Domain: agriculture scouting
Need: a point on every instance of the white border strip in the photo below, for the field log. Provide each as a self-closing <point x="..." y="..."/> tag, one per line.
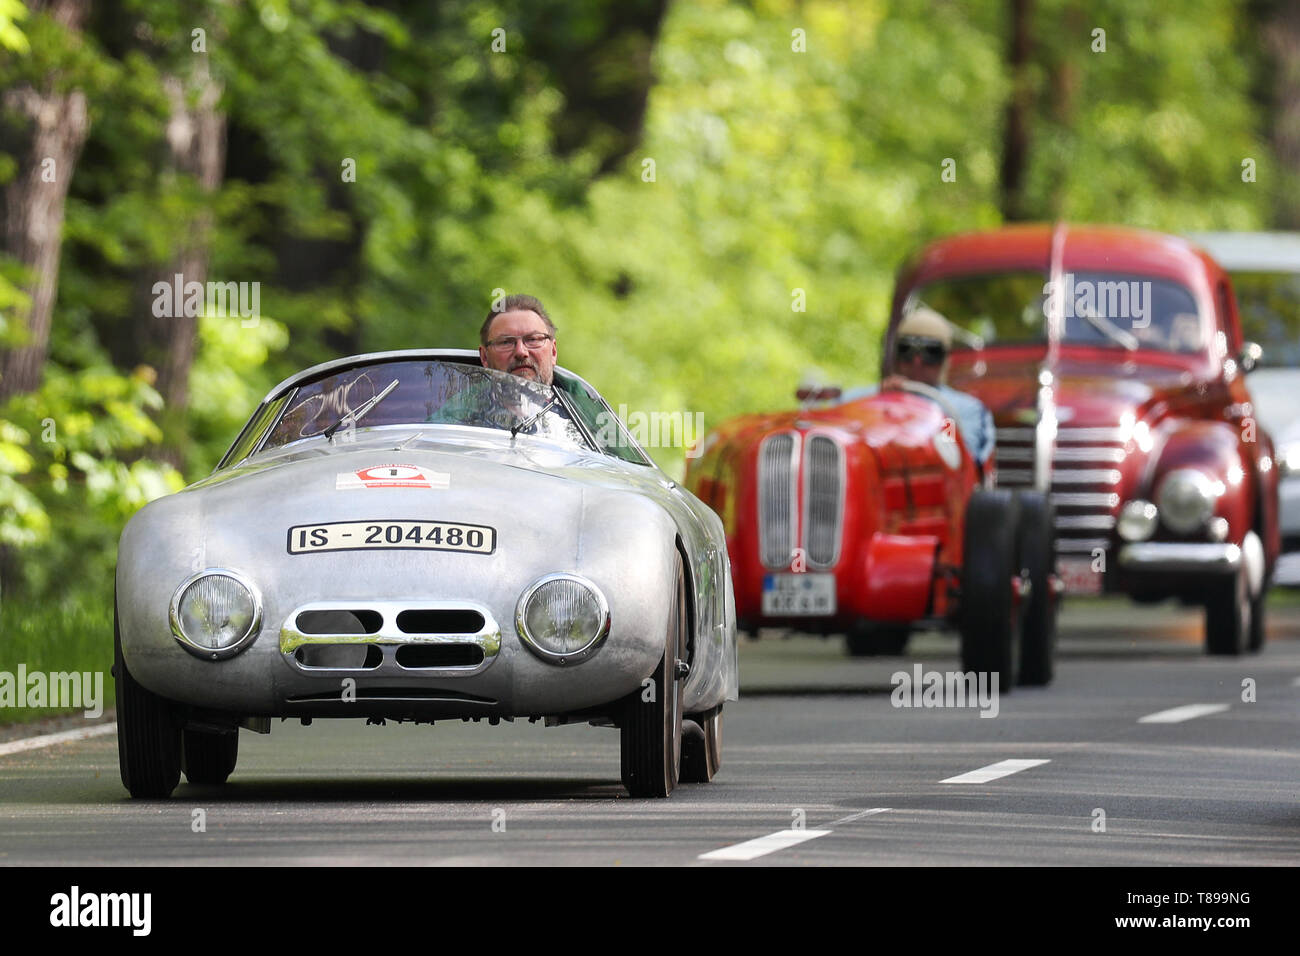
<point x="761" y="846"/>
<point x="1003" y="768"/>
<point x="49" y="740"/>
<point x="1176" y="715"/>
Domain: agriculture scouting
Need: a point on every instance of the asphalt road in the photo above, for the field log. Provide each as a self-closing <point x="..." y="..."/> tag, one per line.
<point x="816" y="759"/>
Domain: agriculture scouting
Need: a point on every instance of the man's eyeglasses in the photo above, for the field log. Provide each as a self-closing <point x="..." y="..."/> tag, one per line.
<point x="506" y="343"/>
<point x="929" y="351"/>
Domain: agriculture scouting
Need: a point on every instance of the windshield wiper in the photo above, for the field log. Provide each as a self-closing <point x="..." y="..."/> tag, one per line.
<point x="1110" y="330"/>
<point x="529" y="422"/>
<point x="360" y="411"/>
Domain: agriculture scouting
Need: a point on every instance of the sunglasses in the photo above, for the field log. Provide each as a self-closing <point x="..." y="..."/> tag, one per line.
<point x="929" y="351"/>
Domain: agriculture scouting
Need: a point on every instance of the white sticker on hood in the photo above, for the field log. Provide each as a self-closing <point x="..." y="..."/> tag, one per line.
<point x="948" y="451"/>
<point x="392" y="476"/>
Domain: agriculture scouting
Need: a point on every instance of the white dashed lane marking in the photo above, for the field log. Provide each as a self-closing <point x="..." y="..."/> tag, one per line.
<point x="752" y="849"/>
<point x="857" y="816"/>
<point x="993" y="771"/>
<point x="35" y="743"/>
<point x="1176" y="715"/>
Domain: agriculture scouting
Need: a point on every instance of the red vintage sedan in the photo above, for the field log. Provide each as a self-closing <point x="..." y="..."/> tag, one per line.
<point x="1114" y="365"/>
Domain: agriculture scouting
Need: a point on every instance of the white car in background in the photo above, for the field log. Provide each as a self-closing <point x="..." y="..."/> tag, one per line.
<point x="1265" y="269"/>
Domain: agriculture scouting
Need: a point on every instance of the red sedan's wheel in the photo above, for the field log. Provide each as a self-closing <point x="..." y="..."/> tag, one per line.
<point x="651" y="726"/>
<point x="148" y="733"/>
<point x="990" y="614"/>
<point x="1229" y="615"/>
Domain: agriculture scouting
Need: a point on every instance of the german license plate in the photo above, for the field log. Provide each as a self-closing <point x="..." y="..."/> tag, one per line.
<point x="1077" y="575"/>
<point x="798" y="594"/>
<point x="392" y="536"/>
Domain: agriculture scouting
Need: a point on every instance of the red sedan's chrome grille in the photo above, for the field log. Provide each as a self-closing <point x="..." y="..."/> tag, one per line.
<point x="777" y="515"/>
<point x="823" y="500"/>
<point x="1085" y="480"/>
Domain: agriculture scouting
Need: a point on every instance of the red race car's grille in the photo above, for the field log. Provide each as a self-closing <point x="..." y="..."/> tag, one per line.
<point x="1085" y="480"/>
<point x="777" y="473"/>
<point x="823" y="500"/>
<point x="779" y="477"/>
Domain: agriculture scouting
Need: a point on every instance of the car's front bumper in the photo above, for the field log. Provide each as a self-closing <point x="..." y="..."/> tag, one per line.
<point x="1180" y="557"/>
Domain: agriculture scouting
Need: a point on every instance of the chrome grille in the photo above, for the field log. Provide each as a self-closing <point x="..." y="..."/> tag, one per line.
<point x="1015" y="449"/>
<point x="1085" y="487"/>
<point x="1085" y="480"/>
<point x="776" y="500"/>
<point x="823" y="500"/>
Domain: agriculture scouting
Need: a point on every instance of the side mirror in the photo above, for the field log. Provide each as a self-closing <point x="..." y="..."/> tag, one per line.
<point x="1251" y="353"/>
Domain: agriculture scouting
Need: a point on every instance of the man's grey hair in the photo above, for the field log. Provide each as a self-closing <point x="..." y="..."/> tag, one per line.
<point x="515" y="303"/>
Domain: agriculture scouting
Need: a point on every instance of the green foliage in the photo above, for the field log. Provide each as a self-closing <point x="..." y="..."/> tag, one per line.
<point x="11" y="34"/>
<point x="70" y="474"/>
<point x="387" y="170"/>
<point x="72" y="631"/>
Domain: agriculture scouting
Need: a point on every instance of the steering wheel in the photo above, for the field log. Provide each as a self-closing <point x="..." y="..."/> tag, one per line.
<point x="932" y="393"/>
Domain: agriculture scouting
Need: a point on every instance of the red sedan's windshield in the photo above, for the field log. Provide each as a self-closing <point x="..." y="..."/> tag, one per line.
<point x="1108" y="309"/>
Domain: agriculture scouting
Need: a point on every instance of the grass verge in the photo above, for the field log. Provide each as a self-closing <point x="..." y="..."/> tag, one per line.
<point x="73" y="634"/>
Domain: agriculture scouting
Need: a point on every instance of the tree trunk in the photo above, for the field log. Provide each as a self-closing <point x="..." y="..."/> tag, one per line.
<point x="48" y="144"/>
<point x="1282" y="43"/>
<point x="1015" y="146"/>
<point x="197" y="138"/>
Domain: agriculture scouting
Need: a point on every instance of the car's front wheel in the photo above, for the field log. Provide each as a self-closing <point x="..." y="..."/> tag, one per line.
<point x="990" y="613"/>
<point x="1038" y="558"/>
<point x="702" y="746"/>
<point x="651" y="725"/>
<point x="868" y="639"/>
<point x="1229" y="614"/>
<point x="209" y="758"/>
<point x="148" y="732"/>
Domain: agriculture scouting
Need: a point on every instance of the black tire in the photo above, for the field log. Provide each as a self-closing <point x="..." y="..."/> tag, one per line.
<point x="1038" y="558"/>
<point x="1256" y="641"/>
<point x="702" y="746"/>
<point x="1228" y="614"/>
<point x="651" y="730"/>
<point x="877" y="640"/>
<point x="990" y="619"/>
<point x="148" y="733"/>
<point x="208" y="758"/>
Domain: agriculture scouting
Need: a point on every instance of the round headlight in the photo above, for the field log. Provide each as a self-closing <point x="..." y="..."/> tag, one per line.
<point x="215" y="613"/>
<point x="1186" y="500"/>
<point x="1137" y="520"/>
<point x="562" y="618"/>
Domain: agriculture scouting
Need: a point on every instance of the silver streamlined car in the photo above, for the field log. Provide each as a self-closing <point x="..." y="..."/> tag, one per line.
<point x="410" y="536"/>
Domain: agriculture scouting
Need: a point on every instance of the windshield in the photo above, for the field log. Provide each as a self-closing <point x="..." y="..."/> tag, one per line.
<point x="1108" y="309"/>
<point x="425" y="392"/>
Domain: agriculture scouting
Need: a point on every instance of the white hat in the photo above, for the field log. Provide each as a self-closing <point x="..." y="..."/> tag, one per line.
<point x="925" y="323"/>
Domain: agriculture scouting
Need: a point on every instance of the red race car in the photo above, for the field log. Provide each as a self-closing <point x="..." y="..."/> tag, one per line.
<point x="867" y="517"/>
<point x="1114" y="365"/>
